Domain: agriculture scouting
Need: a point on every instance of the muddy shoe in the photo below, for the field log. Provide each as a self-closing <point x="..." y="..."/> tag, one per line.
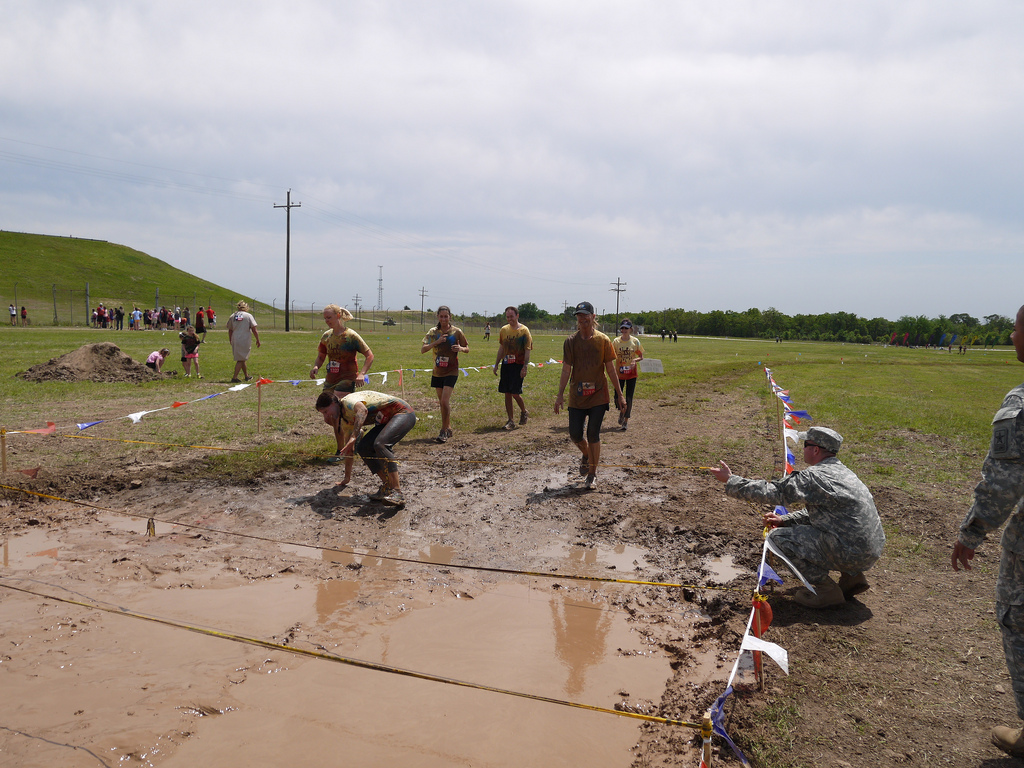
<point x="828" y="595"/>
<point x="442" y="436"/>
<point x="590" y="483"/>
<point x="381" y="493"/>
<point x="853" y="584"/>
<point x="523" y="417"/>
<point x="1010" y="740"/>
<point x="584" y="466"/>
<point x="510" y="425"/>
<point x="394" y="499"/>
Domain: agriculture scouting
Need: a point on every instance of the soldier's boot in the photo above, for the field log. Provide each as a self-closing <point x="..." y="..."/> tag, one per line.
<point x="853" y="584"/>
<point x="828" y="595"/>
<point x="1010" y="740"/>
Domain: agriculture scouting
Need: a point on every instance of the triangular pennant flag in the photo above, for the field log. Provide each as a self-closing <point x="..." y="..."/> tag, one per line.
<point x="384" y="380"/>
<point x="207" y="397"/>
<point x="716" y="720"/>
<point x="399" y="377"/>
<point x="777" y="653"/>
<point x="88" y="424"/>
<point x="295" y="382"/>
<point x="770" y="545"/>
<point x="765" y="574"/>
<point x="51" y="428"/>
<point x="178" y="404"/>
<point x="238" y="387"/>
<point x="30" y="472"/>
<point x="263" y="381"/>
<point x="464" y="372"/>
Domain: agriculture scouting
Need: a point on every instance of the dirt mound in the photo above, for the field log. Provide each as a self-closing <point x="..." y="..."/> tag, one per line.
<point x="103" y="362"/>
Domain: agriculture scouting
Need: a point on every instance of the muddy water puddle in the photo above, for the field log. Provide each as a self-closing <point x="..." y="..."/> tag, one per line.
<point x="136" y="693"/>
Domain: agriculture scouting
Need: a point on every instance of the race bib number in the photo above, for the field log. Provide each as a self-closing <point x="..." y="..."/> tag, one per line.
<point x="626" y="369"/>
<point x="442" y="361"/>
<point x="510" y="359"/>
<point x="333" y="366"/>
<point x="586" y="388"/>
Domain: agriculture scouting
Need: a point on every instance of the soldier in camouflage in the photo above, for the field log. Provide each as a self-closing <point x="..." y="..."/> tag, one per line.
<point x="998" y="496"/>
<point x="838" y="528"/>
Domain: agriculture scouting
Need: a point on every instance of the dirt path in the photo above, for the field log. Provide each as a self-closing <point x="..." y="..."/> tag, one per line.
<point x="909" y="674"/>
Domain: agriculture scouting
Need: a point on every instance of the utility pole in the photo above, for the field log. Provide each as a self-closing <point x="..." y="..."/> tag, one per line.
<point x="423" y="295"/>
<point x="355" y="303"/>
<point x="620" y="287"/>
<point x="380" y="288"/>
<point x="287" y="253"/>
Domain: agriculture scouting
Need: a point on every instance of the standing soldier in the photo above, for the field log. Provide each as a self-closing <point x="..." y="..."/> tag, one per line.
<point x="997" y="497"/>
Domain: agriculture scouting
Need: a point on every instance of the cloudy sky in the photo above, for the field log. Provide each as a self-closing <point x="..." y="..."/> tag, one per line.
<point x="815" y="157"/>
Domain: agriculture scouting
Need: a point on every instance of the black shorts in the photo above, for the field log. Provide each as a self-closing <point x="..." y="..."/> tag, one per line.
<point x="511" y="380"/>
<point x="348" y="386"/>
<point x="438" y="382"/>
<point x="593" y="418"/>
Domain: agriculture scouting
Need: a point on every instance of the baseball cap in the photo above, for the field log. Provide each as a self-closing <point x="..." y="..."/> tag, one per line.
<point x="584" y="308"/>
<point x="626" y="324"/>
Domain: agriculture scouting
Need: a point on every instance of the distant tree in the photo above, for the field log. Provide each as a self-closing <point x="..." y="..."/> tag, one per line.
<point x="528" y="312"/>
<point x="963" y="319"/>
<point x="406" y="308"/>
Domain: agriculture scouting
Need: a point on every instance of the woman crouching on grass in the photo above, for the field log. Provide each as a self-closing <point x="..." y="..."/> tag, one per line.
<point x="391" y="417"/>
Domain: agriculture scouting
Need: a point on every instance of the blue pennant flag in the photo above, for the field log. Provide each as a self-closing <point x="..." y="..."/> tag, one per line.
<point x="716" y="720"/>
<point x="766" y="574"/>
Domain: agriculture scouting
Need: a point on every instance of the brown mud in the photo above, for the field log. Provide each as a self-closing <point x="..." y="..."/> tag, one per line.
<point x="909" y="673"/>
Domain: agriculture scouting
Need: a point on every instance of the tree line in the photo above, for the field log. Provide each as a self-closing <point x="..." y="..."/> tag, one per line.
<point x="908" y="330"/>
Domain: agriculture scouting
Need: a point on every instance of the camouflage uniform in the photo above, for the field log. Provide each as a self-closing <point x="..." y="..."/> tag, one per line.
<point x="997" y="497"/>
<point x="838" y="529"/>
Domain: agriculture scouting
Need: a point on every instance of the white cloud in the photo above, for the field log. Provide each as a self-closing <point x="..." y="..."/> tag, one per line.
<point x="709" y="154"/>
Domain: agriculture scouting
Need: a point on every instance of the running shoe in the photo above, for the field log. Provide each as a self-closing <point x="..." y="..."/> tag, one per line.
<point x="624" y="423"/>
<point x="622" y="418"/>
<point x="590" y="483"/>
<point x="394" y="499"/>
<point x="442" y="436"/>
<point x="584" y="466"/>
<point x="510" y="425"/>
<point x="381" y="493"/>
<point x="523" y="417"/>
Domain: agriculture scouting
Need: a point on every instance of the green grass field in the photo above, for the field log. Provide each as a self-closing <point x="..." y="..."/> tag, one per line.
<point x="893" y="405"/>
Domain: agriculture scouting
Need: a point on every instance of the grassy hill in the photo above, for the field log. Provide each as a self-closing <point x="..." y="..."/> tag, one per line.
<point x="49" y="274"/>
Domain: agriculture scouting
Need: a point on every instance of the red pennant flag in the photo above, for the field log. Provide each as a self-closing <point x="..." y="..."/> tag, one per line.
<point x="764" y="610"/>
<point x="51" y="428"/>
<point x="30" y="472"/>
<point x="263" y="381"/>
<point x="399" y="377"/>
<point x="178" y="405"/>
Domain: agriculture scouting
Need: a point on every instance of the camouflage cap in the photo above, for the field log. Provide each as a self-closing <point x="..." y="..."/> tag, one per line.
<point x="827" y="438"/>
